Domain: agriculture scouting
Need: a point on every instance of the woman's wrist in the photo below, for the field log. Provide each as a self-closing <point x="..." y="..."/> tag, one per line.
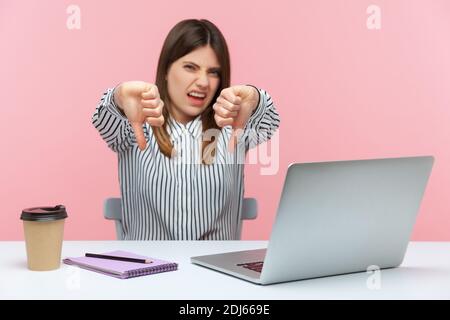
<point x="257" y="97"/>
<point x="117" y="99"/>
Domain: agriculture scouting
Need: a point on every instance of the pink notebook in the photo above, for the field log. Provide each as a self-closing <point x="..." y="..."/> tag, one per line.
<point x="122" y="269"/>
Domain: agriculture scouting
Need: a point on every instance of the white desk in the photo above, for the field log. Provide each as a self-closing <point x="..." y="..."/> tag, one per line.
<point x="425" y="274"/>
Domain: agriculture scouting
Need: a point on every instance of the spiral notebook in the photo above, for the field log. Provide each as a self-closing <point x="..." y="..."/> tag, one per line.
<point x="122" y="269"/>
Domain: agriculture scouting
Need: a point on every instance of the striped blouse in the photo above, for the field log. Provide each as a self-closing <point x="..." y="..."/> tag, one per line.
<point x="180" y="198"/>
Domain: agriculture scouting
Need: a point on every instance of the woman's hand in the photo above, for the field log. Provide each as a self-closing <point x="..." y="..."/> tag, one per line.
<point x="234" y="107"/>
<point x="140" y="102"/>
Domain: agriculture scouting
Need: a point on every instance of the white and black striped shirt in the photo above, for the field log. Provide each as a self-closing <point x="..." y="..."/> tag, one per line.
<point x="179" y="198"/>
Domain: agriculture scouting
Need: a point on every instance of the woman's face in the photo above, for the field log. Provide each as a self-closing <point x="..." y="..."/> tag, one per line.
<point x="192" y="82"/>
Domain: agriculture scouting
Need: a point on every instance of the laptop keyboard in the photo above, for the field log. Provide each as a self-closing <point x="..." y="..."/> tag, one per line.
<point x="255" y="266"/>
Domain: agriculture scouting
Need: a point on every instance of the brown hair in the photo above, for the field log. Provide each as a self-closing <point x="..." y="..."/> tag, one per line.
<point x="185" y="37"/>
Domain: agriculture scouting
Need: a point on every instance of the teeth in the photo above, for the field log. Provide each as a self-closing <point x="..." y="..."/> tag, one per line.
<point x="196" y="94"/>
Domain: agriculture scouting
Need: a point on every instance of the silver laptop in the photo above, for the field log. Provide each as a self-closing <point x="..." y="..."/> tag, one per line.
<point x="335" y="218"/>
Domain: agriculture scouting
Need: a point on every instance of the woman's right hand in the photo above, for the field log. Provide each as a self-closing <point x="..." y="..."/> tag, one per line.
<point x="140" y="102"/>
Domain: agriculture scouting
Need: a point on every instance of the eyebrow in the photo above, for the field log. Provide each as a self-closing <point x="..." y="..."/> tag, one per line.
<point x="213" y="68"/>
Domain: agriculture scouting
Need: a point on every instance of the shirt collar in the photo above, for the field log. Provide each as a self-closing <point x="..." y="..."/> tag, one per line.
<point x="177" y="129"/>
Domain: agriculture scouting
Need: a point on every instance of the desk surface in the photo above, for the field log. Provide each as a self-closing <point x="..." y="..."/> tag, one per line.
<point x="424" y="274"/>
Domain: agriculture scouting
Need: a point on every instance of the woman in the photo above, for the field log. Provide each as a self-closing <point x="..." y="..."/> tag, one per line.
<point x="181" y="142"/>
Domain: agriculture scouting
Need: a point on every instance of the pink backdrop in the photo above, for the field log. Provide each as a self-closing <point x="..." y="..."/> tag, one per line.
<point x="343" y="92"/>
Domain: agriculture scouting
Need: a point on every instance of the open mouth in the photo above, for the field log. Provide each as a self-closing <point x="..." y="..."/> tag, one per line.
<point x="196" y="97"/>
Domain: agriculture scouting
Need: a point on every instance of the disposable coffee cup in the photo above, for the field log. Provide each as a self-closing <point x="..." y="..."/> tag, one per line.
<point x="44" y="230"/>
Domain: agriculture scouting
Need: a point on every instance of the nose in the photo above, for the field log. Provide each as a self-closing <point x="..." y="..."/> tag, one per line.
<point x="202" y="80"/>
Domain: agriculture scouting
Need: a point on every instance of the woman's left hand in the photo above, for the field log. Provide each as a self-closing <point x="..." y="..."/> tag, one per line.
<point x="234" y="107"/>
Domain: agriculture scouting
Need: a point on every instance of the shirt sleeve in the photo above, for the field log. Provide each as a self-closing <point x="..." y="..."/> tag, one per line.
<point x="262" y="124"/>
<point x="112" y="124"/>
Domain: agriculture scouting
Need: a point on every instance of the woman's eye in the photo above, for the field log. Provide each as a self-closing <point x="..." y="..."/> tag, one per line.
<point x="189" y="67"/>
<point x="216" y="73"/>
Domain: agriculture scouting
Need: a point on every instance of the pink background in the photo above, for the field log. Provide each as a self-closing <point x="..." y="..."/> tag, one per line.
<point x="343" y="92"/>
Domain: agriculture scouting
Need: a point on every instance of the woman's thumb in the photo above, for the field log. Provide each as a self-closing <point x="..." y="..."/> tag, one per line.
<point x="139" y="134"/>
<point x="236" y="134"/>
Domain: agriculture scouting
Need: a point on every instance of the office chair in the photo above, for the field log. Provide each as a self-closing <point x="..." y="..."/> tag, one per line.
<point x="112" y="210"/>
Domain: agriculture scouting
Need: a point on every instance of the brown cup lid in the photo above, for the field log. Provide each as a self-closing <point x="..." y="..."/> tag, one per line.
<point x="44" y="213"/>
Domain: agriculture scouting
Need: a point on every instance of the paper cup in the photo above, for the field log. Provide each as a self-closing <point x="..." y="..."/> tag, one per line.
<point x="44" y="229"/>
